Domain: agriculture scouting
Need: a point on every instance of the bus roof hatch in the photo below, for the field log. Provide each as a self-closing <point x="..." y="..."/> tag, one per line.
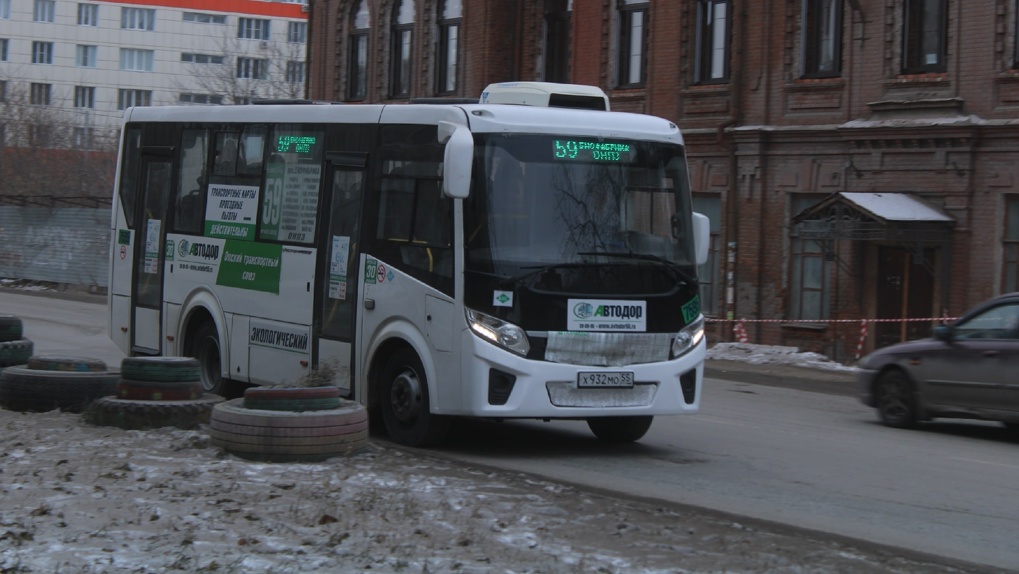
<point x="546" y="95"/>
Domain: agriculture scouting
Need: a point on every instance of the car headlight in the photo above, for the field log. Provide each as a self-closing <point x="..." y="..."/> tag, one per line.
<point x="688" y="338"/>
<point x="499" y="332"/>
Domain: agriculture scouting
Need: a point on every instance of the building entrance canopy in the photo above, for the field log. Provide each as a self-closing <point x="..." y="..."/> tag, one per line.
<point x="896" y="217"/>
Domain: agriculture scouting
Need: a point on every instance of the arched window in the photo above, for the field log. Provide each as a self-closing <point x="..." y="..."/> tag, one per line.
<point x="450" y="16"/>
<point x="400" y="55"/>
<point x="357" y="69"/>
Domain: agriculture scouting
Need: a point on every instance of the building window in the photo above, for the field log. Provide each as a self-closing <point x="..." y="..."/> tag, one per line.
<point x="297" y="32"/>
<point x="4" y="45"/>
<point x="5" y="9"/>
<point x="808" y="285"/>
<point x="88" y="14"/>
<point x="403" y="37"/>
<point x="85" y="56"/>
<point x="201" y="58"/>
<point x="251" y="68"/>
<point x="822" y="38"/>
<point x="710" y="274"/>
<point x="557" y="41"/>
<point x="253" y="29"/>
<point x="83" y="137"/>
<point x="712" y="37"/>
<point x="130" y="98"/>
<point x="42" y="52"/>
<point x="138" y="19"/>
<point x="3" y="90"/>
<point x="357" y="67"/>
<point x="39" y="94"/>
<point x="40" y="135"/>
<point x="450" y="16"/>
<point x="295" y="72"/>
<point x="136" y="60"/>
<point x="632" y="41"/>
<point x="1010" y="244"/>
<point x="924" y="42"/>
<point x="201" y="99"/>
<point x="204" y="18"/>
<point x="43" y="10"/>
<point x="84" y="97"/>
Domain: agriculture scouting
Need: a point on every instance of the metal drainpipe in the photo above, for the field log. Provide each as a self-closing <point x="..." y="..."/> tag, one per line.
<point x="733" y="228"/>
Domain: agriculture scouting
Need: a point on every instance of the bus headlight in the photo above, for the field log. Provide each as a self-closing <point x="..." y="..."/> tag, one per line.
<point x="500" y="332"/>
<point x="688" y="338"/>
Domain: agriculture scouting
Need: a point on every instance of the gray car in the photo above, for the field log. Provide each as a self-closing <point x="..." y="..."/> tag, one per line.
<point x="969" y="369"/>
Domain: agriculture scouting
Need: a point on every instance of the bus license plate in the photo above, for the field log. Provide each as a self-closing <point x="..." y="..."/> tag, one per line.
<point x="605" y="380"/>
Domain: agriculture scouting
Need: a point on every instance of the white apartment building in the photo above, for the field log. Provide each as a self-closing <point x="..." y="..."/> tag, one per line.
<point x="87" y="61"/>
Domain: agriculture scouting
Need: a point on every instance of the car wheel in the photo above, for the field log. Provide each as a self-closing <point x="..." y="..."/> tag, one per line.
<point x="405" y="405"/>
<point x="896" y="405"/>
<point x="619" y="429"/>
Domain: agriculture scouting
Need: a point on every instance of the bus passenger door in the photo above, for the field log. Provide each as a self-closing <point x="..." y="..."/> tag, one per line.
<point x="338" y="286"/>
<point x="149" y="255"/>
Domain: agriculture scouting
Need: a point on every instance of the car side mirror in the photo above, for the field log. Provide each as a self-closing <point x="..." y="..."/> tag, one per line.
<point x="944" y="333"/>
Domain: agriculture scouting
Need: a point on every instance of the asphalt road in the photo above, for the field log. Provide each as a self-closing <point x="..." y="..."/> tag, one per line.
<point x="782" y="445"/>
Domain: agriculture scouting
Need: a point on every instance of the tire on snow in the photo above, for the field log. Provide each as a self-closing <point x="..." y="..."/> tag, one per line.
<point x="282" y="436"/>
<point x="161" y="369"/>
<point x="30" y="390"/>
<point x="144" y="415"/>
<point x="129" y="389"/>
<point x="66" y="363"/>
<point x="11" y="328"/>
<point x="16" y="352"/>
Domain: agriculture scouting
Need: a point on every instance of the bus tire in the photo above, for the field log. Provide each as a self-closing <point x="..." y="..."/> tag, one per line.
<point x="405" y="405"/>
<point x="129" y="389"/>
<point x="620" y="429"/>
<point x="161" y="369"/>
<point x="66" y="364"/>
<point x="282" y="436"/>
<point x="29" y="390"/>
<point x="204" y="346"/>
<point x="11" y="328"/>
<point x="146" y="415"/>
<point x="16" y="352"/>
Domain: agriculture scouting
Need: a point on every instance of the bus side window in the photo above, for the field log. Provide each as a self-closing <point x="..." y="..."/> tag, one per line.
<point x="226" y="154"/>
<point x="189" y="205"/>
<point x="252" y="148"/>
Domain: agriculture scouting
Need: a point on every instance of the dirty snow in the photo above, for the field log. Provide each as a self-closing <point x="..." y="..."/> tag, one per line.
<point x="76" y="498"/>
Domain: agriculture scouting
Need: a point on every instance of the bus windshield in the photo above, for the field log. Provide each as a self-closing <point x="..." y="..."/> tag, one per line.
<point x="546" y="202"/>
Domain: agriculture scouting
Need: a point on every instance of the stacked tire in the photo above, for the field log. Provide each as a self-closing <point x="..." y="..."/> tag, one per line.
<point x="155" y="392"/>
<point x="52" y="382"/>
<point x="289" y="424"/>
<point x="14" y="349"/>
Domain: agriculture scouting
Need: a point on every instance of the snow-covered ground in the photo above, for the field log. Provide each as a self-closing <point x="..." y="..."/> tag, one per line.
<point x="774" y="355"/>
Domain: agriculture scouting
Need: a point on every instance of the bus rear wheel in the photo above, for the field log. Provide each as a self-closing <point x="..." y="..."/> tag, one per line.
<point x="619" y="429"/>
<point x="204" y="346"/>
<point x="405" y="405"/>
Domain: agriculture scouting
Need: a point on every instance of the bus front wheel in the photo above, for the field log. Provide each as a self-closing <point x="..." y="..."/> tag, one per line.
<point x="204" y="346"/>
<point x="405" y="405"/>
<point x="619" y="429"/>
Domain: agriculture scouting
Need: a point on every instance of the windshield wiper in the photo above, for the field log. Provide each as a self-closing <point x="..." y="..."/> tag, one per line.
<point x="644" y="257"/>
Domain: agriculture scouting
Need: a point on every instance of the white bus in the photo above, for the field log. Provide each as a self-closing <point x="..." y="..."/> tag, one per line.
<point x="485" y="260"/>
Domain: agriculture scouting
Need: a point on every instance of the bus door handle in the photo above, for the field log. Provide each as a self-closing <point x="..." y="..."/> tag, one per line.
<point x="369" y="304"/>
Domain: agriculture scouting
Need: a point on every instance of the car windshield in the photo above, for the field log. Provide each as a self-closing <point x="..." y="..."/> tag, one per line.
<point x="541" y="202"/>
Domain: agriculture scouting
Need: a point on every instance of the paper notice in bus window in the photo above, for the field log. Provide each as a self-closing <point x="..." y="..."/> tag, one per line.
<point x="338" y="267"/>
<point x="152" y="229"/>
<point x="338" y="263"/>
<point x="230" y="211"/>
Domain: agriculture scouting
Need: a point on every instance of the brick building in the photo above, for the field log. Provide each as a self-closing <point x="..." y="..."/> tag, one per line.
<point x="857" y="158"/>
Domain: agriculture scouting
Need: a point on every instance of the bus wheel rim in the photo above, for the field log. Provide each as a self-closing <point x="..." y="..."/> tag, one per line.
<point x="405" y="397"/>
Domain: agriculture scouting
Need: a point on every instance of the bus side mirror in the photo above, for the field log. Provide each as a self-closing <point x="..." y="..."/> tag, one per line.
<point x="457" y="159"/>
<point x="701" y="237"/>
